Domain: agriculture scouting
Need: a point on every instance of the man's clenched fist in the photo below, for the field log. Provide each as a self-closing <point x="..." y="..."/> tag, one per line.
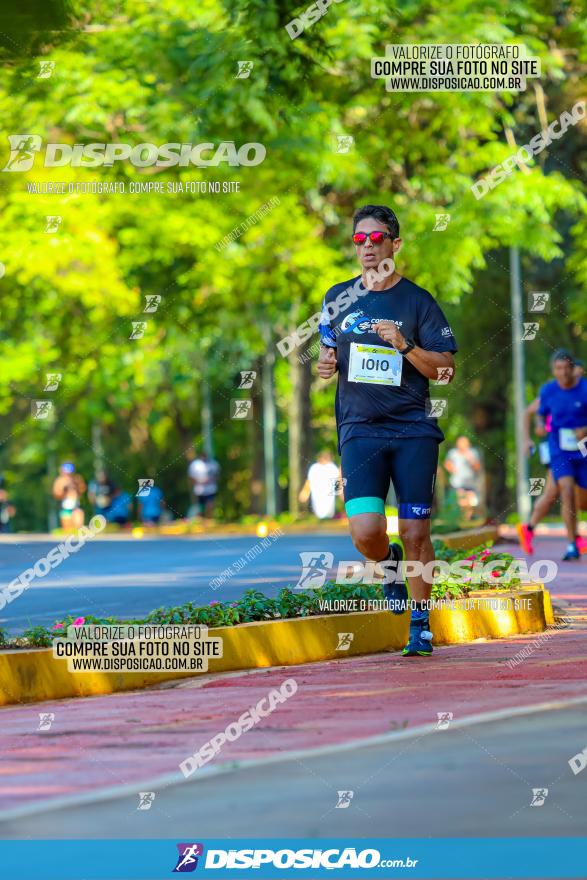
<point x="326" y="362"/>
<point x="390" y="332"/>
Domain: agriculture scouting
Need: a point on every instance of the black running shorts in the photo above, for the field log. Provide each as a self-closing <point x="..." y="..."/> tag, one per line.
<point x="368" y="465"/>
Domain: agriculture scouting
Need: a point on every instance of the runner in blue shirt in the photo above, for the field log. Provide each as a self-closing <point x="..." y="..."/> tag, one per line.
<point x="550" y="492"/>
<point x="564" y="399"/>
<point x="387" y="337"/>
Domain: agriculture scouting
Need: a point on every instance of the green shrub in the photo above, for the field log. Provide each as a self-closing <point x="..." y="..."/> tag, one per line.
<point x="38" y="637"/>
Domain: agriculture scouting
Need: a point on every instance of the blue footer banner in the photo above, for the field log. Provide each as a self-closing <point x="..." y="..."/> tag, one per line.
<point x="304" y="858"/>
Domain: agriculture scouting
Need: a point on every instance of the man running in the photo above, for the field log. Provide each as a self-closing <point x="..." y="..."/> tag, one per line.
<point x="563" y="405"/>
<point x="384" y="430"/>
<point x="550" y="492"/>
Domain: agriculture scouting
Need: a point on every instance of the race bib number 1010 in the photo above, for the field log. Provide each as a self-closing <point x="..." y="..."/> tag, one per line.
<point x="375" y="364"/>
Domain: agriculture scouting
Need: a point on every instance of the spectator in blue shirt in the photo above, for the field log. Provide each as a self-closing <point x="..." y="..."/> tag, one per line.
<point x="119" y="510"/>
<point x="150" y="505"/>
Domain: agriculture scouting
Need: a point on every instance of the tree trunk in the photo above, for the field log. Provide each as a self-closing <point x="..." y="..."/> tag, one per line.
<point x="206" y="411"/>
<point x="256" y="445"/>
<point x="306" y="431"/>
<point x="269" y="423"/>
<point x="294" y="418"/>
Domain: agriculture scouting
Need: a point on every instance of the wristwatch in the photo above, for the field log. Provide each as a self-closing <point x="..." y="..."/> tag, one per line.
<point x="410" y="344"/>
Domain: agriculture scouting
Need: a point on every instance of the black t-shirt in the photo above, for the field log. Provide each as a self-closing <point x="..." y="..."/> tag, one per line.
<point x="365" y="408"/>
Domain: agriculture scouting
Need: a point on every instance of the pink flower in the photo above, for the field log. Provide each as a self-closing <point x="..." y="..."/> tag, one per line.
<point x="485" y="554"/>
<point x="474" y="556"/>
<point x="214" y="603"/>
<point x="57" y="626"/>
<point x="79" y="621"/>
<point x="495" y="573"/>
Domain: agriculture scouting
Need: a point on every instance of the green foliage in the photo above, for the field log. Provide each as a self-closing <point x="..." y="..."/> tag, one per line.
<point x="450" y="554"/>
<point x="136" y="71"/>
<point x="450" y="586"/>
<point x="38" y="637"/>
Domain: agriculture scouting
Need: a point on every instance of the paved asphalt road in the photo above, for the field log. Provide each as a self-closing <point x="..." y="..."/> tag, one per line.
<point x="132" y="577"/>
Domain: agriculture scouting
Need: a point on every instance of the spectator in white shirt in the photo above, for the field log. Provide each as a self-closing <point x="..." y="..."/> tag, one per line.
<point x="203" y="473"/>
<point x="321" y="487"/>
<point x="464" y="466"/>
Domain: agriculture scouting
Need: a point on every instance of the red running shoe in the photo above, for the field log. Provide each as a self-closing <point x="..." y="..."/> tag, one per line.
<point x="526" y="536"/>
<point x="581" y="545"/>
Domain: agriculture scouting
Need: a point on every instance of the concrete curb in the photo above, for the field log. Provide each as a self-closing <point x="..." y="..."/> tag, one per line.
<point x="466" y="540"/>
<point x="32" y="676"/>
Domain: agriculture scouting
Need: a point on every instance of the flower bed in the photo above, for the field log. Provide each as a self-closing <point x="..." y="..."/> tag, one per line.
<point x="255" y="606"/>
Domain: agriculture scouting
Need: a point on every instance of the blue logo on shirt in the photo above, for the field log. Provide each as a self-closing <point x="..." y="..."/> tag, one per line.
<point x="359" y="322"/>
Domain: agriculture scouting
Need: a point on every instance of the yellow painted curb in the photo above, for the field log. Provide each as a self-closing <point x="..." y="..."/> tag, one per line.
<point x="464" y="539"/>
<point x="467" y="539"/>
<point x="31" y="676"/>
<point x="548" y="611"/>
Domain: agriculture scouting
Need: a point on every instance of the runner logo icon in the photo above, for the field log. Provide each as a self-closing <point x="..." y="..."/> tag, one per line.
<point x="146" y="799"/>
<point x="315" y="566"/>
<point x="539" y="795"/>
<point x="537" y="485"/>
<point x="344" y="799"/>
<point x="442" y="221"/>
<point x="344" y="143"/>
<point x="344" y="641"/>
<point x="247" y="378"/>
<point x="46" y="719"/>
<point x="244" y="69"/>
<point x="539" y="301"/>
<point x="152" y="302"/>
<point x="444" y="719"/>
<point x="187" y="859"/>
<point x="22" y="151"/>
<point x="53" y="380"/>
<point x="444" y="375"/>
<point x="145" y="486"/>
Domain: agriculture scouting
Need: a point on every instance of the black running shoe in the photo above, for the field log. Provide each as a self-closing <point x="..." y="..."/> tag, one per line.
<point x="394" y="587"/>
<point x="420" y="641"/>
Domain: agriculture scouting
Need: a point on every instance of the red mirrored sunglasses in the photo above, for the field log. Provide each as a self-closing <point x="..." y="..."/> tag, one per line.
<point x="376" y="237"/>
